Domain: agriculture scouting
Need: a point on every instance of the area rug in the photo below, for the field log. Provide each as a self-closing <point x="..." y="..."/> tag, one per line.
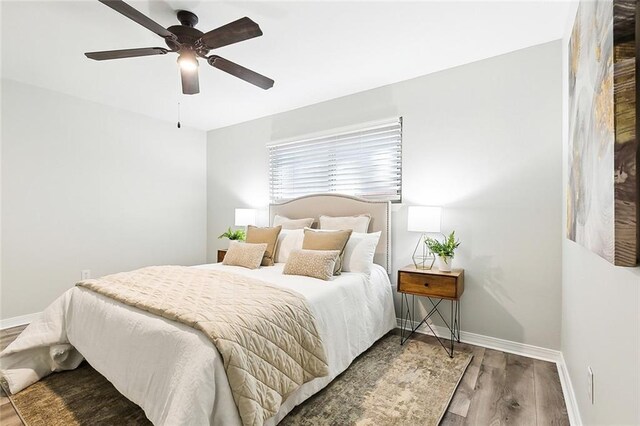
<point x="389" y="384"/>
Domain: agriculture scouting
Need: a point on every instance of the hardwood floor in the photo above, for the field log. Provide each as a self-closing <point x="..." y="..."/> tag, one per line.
<point x="497" y="389"/>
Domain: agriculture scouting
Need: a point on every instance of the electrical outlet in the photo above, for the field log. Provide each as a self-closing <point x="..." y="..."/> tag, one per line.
<point x="85" y="274"/>
<point x="590" y="389"/>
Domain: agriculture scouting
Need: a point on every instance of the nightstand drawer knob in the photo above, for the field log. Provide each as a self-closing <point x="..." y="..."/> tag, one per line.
<point x="426" y="284"/>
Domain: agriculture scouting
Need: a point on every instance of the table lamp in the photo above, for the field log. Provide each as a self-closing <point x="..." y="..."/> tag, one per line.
<point x="423" y="219"/>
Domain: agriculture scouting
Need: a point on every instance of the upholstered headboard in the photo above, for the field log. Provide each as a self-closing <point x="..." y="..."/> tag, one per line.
<point x="317" y="205"/>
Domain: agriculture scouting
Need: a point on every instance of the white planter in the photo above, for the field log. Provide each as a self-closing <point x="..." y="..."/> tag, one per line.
<point x="444" y="263"/>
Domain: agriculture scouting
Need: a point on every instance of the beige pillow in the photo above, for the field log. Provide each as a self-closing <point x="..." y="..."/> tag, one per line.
<point x="312" y="263"/>
<point x="327" y="240"/>
<point x="292" y="223"/>
<point x="269" y="236"/>
<point x="244" y="254"/>
<point x="359" y="223"/>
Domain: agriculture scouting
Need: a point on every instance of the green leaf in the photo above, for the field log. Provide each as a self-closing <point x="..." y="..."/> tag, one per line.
<point x="237" y="235"/>
<point x="446" y="248"/>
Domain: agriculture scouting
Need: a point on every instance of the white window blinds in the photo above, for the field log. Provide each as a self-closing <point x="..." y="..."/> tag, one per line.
<point x="366" y="162"/>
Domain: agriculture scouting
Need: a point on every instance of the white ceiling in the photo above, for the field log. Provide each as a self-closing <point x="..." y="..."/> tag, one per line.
<point x="315" y="51"/>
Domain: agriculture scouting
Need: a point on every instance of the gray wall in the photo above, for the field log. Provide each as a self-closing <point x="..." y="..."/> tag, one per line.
<point x="86" y="186"/>
<point x="484" y="141"/>
<point x="600" y="320"/>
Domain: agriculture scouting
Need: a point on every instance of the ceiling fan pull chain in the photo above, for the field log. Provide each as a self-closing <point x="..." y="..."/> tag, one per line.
<point x="178" y="115"/>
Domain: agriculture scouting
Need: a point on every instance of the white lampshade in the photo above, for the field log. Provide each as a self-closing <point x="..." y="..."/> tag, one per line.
<point x="424" y="219"/>
<point x="245" y="217"/>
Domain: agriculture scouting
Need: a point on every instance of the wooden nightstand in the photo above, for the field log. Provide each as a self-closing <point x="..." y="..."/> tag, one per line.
<point x="221" y="254"/>
<point x="432" y="284"/>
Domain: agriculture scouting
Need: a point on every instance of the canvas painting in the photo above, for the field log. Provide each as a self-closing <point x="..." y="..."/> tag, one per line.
<point x="602" y="197"/>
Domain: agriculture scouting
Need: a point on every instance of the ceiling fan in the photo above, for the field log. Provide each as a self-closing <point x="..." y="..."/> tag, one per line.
<point x="190" y="43"/>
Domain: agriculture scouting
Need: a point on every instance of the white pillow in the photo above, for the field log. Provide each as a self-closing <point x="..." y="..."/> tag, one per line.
<point x="359" y="252"/>
<point x="287" y="223"/>
<point x="288" y="240"/>
<point x="355" y="223"/>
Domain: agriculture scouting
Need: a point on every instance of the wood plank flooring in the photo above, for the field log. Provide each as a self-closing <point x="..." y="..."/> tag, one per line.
<point x="497" y="389"/>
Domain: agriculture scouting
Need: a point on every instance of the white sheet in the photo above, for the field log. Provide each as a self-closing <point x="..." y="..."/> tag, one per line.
<point x="171" y="370"/>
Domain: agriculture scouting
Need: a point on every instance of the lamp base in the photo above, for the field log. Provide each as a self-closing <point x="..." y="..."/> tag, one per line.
<point x="425" y="263"/>
<point x="423" y="259"/>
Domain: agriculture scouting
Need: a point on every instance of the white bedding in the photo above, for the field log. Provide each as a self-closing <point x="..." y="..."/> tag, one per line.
<point x="173" y="371"/>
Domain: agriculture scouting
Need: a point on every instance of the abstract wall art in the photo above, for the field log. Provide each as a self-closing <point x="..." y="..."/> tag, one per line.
<point x="602" y="193"/>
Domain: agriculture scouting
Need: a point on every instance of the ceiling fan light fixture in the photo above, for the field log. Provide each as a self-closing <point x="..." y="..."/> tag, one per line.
<point x="187" y="61"/>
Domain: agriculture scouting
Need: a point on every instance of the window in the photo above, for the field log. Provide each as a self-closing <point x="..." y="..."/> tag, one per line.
<point x="365" y="162"/>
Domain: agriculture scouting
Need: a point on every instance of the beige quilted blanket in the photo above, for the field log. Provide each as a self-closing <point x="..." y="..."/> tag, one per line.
<point x="266" y="335"/>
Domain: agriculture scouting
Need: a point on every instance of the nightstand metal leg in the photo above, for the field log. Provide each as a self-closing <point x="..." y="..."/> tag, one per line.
<point x="408" y="325"/>
<point x="458" y="320"/>
<point x="452" y="329"/>
<point x="453" y="324"/>
<point x="401" y="318"/>
<point x="402" y="321"/>
<point x="406" y="320"/>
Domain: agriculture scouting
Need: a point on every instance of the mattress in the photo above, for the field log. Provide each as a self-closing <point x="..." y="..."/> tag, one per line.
<point x="176" y="374"/>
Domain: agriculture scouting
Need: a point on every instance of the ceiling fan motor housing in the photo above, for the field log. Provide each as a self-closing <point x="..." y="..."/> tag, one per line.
<point x="186" y="33"/>
<point x="188" y="19"/>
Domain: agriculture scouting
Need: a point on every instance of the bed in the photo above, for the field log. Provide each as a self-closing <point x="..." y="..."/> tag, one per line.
<point x="173" y="371"/>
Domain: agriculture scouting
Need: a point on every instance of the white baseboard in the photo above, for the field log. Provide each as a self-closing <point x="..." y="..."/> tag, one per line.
<point x="569" y="394"/>
<point x="523" y="349"/>
<point x="16" y="321"/>
<point x="530" y="351"/>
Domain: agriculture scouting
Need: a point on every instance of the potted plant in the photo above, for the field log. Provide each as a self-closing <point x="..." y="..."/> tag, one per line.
<point x="237" y="235"/>
<point x="443" y="250"/>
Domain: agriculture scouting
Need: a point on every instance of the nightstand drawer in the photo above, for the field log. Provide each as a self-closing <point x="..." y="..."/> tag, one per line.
<point x="427" y="285"/>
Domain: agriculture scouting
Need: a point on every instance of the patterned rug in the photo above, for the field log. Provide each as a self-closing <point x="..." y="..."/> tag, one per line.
<point x="389" y="384"/>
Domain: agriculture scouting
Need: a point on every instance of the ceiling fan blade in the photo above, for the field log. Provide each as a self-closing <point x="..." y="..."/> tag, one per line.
<point x="126" y="53"/>
<point x="242" y="29"/>
<point x="136" y="16"/>
<point x="190" y="83"/>
<point x="240" y="72"/>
